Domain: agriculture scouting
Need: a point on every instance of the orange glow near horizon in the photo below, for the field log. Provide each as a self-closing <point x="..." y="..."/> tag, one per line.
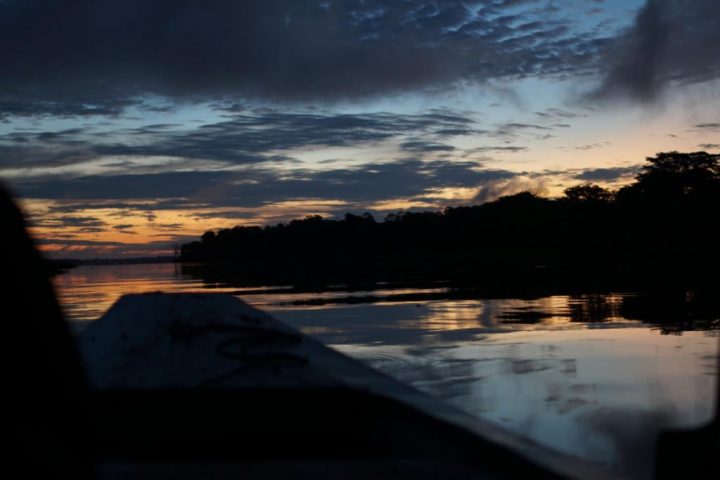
<point x="141" y="230"/>
<point x="148" y="232"/>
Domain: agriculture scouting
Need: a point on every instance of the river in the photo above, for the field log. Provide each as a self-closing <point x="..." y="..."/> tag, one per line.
<point x="594" y="376"/>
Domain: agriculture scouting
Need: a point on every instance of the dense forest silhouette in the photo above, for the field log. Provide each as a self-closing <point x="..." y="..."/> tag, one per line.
<point x="657" y="232"/>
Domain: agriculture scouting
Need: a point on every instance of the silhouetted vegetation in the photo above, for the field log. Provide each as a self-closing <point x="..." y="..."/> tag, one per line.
<point x="656" y="232"/>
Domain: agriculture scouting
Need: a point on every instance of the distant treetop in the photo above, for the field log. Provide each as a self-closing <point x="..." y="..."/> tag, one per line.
<point x="675" y="176"/>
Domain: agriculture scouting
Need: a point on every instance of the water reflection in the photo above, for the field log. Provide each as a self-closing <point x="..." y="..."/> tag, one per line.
<point x="591" y="375"/>
<point x="601" y="394"/>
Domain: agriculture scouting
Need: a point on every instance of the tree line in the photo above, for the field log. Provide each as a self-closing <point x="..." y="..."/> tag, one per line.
<point x="657" y="231"/>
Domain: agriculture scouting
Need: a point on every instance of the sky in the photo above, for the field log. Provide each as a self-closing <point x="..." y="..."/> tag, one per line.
<point x="128" y="127"/>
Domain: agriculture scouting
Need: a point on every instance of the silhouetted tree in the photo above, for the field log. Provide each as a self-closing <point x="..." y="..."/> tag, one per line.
<point x="587" y="193"/>
<point x="658" y="230"/>
<point x="208" y="236"/>
<point x="675" y="177"/>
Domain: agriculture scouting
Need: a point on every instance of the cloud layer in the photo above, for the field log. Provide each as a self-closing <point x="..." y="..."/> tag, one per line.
<point x="95" y="56"/>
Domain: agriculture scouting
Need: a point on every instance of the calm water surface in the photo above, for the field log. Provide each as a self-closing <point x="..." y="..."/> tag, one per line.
<point x="570" y="372"/>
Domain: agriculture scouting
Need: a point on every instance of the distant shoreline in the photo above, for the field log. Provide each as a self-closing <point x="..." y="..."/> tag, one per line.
<point x="60" y="266"/>
<point x="657" y="233"/>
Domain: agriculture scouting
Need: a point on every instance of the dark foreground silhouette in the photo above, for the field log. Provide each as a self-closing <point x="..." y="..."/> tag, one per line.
<point x="46" y="396"/>
<point x="655" y="233"/>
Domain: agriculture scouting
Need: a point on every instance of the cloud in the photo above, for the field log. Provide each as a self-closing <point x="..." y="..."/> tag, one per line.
<point x="78" y="224"/>
<point x="81" y="57"/>
<point x="80" y="243"/>
<point x="608" y="174"/>
<point x="162" y="185"/>
<point x="241" y="163"/>
<point x="255" y="187"/>
<point x="559" y="113"/>
<point x="592" y="146"/>
<point x="124" y="228"/>
<point x="244" y="139"/>
<point x="123" y="208"/>
<point x="496" y="148"/>
<point x="81" y="221"/>
<point x="671" y="41"/>
<point x="71" y="221"/>
<point x="420" y="146"/>
<point x="494" y="189"/>
<point x="515" y="130"/>
<point x="523" y="126"/>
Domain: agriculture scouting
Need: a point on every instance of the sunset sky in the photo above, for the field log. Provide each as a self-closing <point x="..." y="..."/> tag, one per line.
<point x="128" y="126"/>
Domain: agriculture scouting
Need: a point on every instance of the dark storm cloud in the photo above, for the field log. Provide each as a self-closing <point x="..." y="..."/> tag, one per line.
<point x="243" y="139"/>
<point x="94" y="56"/>
<point x="670" y="41"/>
<point x="256" y="187"/>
